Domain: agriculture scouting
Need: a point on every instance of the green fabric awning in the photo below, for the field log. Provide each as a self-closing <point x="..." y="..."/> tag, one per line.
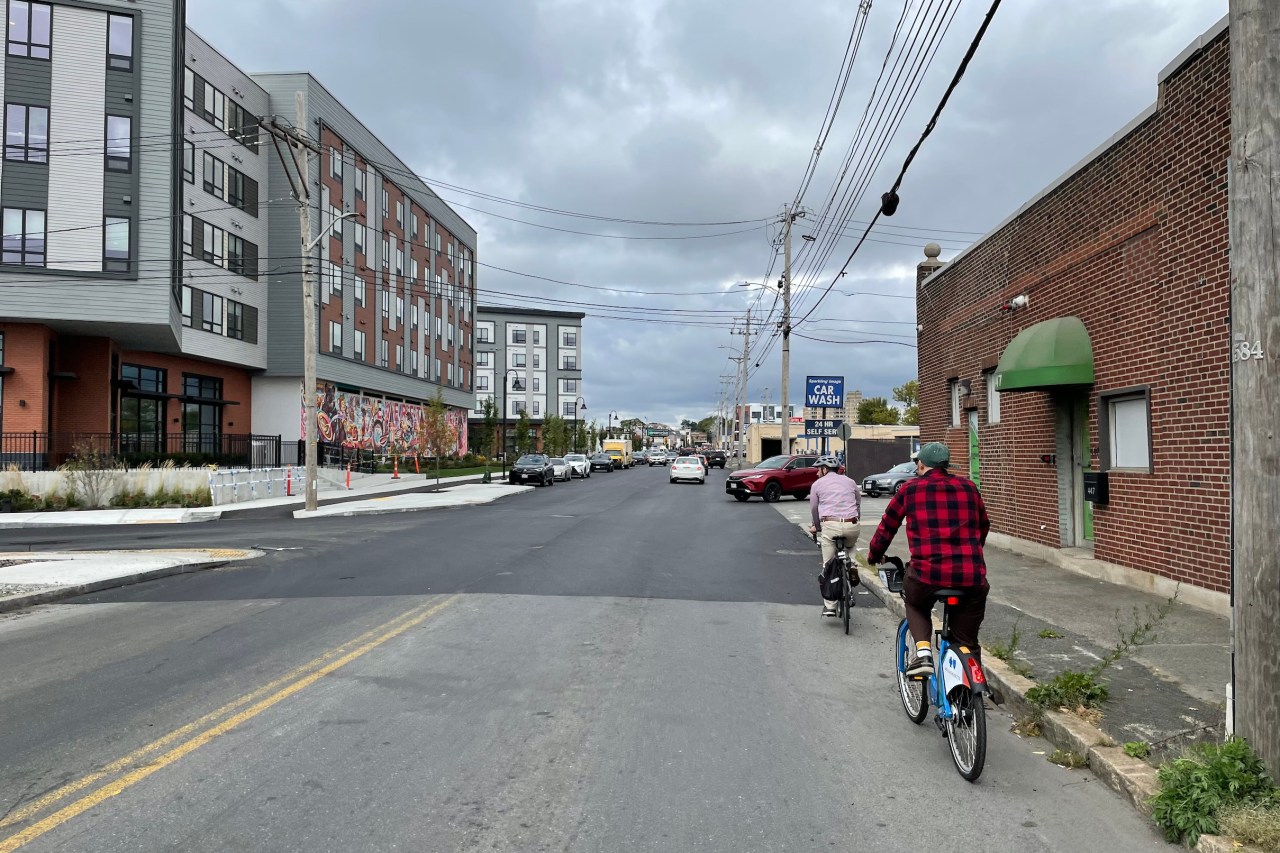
<point x="1047" y="355"/>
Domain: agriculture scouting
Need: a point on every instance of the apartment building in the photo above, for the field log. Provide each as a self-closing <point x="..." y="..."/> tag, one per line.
<point x="528" y="361"/>
<point x="91" y="188"/>
<point x="396" y="288"/>
<point x="138" y="301"/>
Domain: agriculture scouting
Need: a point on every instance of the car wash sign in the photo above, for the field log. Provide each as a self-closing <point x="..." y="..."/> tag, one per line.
<point x="824" y="392"/>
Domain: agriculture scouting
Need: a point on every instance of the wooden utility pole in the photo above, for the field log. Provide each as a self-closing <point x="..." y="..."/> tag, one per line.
<point x="1254" y="210"/>
<point x="786" y="329"/>
<point x="301" y="148"/>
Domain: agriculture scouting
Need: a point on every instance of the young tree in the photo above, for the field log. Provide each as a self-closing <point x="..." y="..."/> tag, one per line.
<point x="436" y="435"/>
<point x="525" y="440"/>
<point x="876" y="410"/>
<point x="908" y="394"/>
<point x="485" y="434"/>
<point x="555" y="435"/>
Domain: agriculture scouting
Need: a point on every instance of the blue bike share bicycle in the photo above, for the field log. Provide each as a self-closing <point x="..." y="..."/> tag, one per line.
<point x="956" y="688"/>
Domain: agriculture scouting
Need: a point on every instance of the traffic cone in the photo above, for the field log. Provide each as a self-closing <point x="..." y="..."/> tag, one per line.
<point x="348" y="476"/>
<point x="415" y="464"/>
<point x="288" y="481"/>
<point x="395" y="468"/>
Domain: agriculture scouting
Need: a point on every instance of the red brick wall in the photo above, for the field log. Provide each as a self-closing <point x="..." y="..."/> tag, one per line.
<point x="26" y="350"/>
<point x="83" y="404"/>
<point x="1135" y="245"/>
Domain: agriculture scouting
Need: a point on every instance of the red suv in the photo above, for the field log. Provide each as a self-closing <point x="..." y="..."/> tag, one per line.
<point x="775" y="477"/>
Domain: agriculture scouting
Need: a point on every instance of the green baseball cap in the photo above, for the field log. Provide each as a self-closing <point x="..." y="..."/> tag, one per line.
<point x="934" y="453"/>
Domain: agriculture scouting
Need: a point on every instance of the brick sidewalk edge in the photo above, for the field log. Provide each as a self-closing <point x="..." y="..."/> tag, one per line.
<point x="46" y="596"/>
<point x="1132" y="778"/>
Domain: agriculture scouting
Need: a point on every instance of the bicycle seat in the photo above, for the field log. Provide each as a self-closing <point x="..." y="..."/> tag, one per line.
<point x="839" y="542"/>
<point x="944" y="594"/>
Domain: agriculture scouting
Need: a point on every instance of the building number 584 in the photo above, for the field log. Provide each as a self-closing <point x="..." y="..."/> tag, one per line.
<point x="1243" y="351"/>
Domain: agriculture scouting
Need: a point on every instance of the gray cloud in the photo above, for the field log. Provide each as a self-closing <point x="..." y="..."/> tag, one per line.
<point x="698" y="110"/>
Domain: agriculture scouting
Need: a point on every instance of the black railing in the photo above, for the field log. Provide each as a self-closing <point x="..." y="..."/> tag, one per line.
<point x="44" y="451"/>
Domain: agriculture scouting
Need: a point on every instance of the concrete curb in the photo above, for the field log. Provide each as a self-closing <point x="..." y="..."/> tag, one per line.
<point x="1131" y="778"/>
<point x="46" y="596"/>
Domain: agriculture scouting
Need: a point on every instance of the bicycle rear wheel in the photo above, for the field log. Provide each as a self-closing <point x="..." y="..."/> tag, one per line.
<point x="911" y="691"/>
<point x="967" y="732"/>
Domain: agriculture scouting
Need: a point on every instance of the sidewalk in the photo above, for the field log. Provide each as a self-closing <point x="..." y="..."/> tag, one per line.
<point x="363" y="489"/>
<point x="1170" y="690"/>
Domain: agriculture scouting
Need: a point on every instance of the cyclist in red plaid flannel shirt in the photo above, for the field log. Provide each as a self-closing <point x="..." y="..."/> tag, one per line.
<point x="947" y="527"/>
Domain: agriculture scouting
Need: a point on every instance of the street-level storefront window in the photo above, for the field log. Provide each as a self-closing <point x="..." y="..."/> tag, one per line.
<point x="201" y="413"/>
<point x="142" y="404"/>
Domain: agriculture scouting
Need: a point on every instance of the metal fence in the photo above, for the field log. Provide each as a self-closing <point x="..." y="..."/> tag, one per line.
<point x="45" y="451"/>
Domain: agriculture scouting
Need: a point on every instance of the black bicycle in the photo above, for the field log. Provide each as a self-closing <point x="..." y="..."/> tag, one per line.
<point x="849" y="579"/>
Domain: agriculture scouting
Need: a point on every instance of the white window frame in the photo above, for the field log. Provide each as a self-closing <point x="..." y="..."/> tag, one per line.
<point x="357" y="343"/>
<point x="1125" y="416"/>
<point x="953" y="394"/>
<point x="335" y="336"/>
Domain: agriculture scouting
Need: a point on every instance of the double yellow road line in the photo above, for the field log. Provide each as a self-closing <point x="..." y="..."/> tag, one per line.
<point x="124" y="772"/>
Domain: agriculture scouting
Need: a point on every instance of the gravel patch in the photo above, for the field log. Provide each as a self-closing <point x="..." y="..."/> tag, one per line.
<point x="4" y="564"/>
<point x="22" y="588"/>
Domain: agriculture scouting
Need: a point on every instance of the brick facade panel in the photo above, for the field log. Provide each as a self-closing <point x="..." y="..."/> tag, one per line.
<point x="1135" y="245"/>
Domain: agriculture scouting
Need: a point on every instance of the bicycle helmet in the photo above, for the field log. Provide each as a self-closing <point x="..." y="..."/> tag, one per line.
<point x="827" y="462"/>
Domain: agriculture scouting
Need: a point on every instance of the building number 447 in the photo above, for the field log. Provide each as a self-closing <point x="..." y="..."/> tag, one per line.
<point x="1244" y="351"/>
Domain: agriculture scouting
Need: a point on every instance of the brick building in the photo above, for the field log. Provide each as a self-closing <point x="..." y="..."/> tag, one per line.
<point x="1086" y="339"/>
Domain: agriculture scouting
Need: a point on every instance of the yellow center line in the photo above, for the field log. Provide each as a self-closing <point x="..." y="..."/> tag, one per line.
<point x="35" y="806"/>
<point x="305" y="676"/>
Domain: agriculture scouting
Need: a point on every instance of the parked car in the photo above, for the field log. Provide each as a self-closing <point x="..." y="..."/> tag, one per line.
<point x="890" y="481"/>
<point x="579" y="464"/>
<point x="561" y="467"/>
<point x="640" y="457"/>
<point x="688" y="468"/>
<point x="716" y="458"/>
<point x="601" y="462"/>
<point x="775" y="477"/>
<point x="533" y="468"/>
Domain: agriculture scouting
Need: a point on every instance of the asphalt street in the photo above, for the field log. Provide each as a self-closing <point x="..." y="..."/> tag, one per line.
<point x="603" y="665"/>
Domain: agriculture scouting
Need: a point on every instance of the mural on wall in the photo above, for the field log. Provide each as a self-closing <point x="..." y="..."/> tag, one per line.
<point x="371" y="423"/>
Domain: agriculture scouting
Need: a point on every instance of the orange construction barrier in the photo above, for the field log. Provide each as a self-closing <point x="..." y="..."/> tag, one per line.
<point x="348" y="476"/>
<point x="395" y="468"/>
<point x="288" y="481"/>
<point x="416" y="469"/>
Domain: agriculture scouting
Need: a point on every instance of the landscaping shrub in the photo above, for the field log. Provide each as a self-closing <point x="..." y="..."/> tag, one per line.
<point x="1210" y="781"/>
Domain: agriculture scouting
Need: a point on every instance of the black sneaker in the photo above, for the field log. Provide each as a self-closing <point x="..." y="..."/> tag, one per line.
<point x="921" y="667"/>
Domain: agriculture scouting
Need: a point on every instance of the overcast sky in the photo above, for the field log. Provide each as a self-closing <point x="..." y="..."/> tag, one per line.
<point x="707" y="111"/>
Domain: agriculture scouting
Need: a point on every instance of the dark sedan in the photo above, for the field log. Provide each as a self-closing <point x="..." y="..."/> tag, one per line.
<point x="601" y="462"/>
<point x="533" y="468"/>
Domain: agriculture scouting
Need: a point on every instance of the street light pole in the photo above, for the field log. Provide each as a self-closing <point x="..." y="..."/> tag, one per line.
<point x="503" y="440"/>
<point x="577" y="404"/>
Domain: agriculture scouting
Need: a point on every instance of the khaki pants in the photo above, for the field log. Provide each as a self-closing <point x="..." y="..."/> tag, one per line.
<point x="830" y="530"/>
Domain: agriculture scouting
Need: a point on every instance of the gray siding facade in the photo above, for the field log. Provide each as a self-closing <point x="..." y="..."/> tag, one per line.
<point x="135" y="307"/>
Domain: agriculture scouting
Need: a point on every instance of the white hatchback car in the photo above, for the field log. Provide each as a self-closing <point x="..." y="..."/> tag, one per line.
<point x="688" y="468"/>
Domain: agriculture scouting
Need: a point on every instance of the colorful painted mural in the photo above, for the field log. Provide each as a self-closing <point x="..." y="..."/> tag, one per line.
<point x="371" y="423"/>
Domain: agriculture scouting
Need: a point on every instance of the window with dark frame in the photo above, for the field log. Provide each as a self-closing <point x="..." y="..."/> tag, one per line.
<point x="116" y="253"/>
<point x="235" y="320"/>
<point x="211" y="313"/>
<point x="119" y="144"/>
<point x="518" y="336"/>
<point x="201" y="414"/>
<point x="1124" y="424"/>
<point x="30" y="29"/>
<point x="120" y="42"/>
<point x="24" y="237"/>
<point x="142" y="408"/>
<point x="189" y="162"/>
<point x="26" y="133"/>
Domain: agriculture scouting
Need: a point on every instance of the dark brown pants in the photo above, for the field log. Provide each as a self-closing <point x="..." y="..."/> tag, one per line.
<point x="966" y="617"/>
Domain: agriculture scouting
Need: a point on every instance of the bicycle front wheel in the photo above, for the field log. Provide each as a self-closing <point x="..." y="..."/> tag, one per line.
<point x="911" y="691"/>
<point x="967" y="733"/>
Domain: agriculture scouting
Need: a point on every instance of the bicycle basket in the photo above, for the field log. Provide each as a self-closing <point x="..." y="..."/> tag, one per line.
<point x="892" y="573"/>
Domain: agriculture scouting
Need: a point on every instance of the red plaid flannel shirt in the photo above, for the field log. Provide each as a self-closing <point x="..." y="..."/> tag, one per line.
<point x="947" y="526"/>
